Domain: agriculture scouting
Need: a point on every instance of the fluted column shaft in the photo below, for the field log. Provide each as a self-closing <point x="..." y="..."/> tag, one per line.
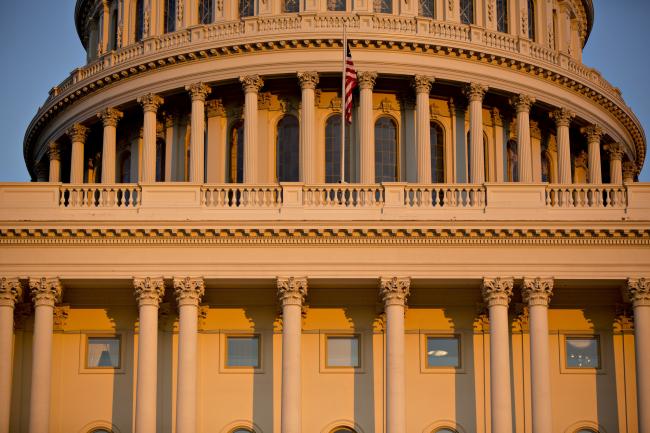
<point x="252" y="85"/>
<point x="291" y="293"/>
<point x="10" y="292"/>
<point x="594" y="133"/>
<point x="537" y="293"/>
<point x="198" y="92"/>
<point x="188" y="295"/>
<point x="78" y="134"/>
<point x="394" y="292"/>
<point x="475" y="93"/>
<point x="46" y="292"/>
<point x="497" y="293"/>
<point x="148" y="292"/>
<point x="109" y="118"/>
<point x="366" y="127"/>
<point x="522" y="104"/>
<point x="422" y="85"/>
<point x="615" y="163"/>
<point x="638" y="292"/>
<point x="150" y="104"/>
<point x="562" y="121"/>
<point x="308" y="160"/>
<point x="55" y="162"/>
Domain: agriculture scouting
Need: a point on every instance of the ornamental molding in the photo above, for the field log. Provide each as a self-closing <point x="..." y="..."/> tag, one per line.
<point x="522" y="103"/>
<point x="637" y="292"/>
<point x="215" y="108"/>
<point x="78" y="133"/>
<point x="497" y="291"/>
<point x="149" y="290"/>
<point x="366" y="79"/>
<point x="537" y="291"/>
<point x="562" y="117"/>
<point x="45" y="291"/>
<point x="110" y="117"/>
<point x="615" y="151"/>
<point x="422" y="83"/>
<point x="630" y="170"/>
<point x="308" y="80"/>
<point x="150" y="102"/>
<point x="11" y="291"/>
<point x="60" y="319"/>
<point x="291" y="290"/>
<point x="188" y="290"/>
<point x="394" y="290"/>
<point x="54" y="151"/>
<point x="251" y="83"/>
<point x="475" y="91"/>
<point x="198" y="91"/>
<point x="593" y="133"/>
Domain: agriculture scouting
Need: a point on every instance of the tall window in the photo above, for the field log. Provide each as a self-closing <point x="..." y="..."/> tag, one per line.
<point x="246" y="8"/>
<point x="205" y="11"/>
<point x="383" y="6"/>
<point x="333" y="149"/>
<point x="170" y="16"/>
<point x="502" y="15"/>
<point x="114" y="29"/>
<point x="385" y="150"/>
<point x="437" y="153"/>
<point x="288" y="156"/>
<point x="289" y="6"/>
<point x="531" y="20"/>
<point x="139" y="20"/>
<point x="236" y="153"/>
<point x="427" y="8"/>
<point x="336" y="5"/>
<point x="467" y="11"/>
<point x="160" y="161"/>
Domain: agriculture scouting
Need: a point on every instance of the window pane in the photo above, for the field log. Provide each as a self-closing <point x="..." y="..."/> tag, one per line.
<point x="467" y="11"/>
<point x="333" y="150"/>
<point x="336" y="5"/>
<point x="383" y="6"/>
<point x="343" y="351"/>
<point x="445" y="430"/>
<point x="442" y="352"/>
<point x="243" y="352"/>
<point x="289" y="6"/>
<point x="531" y="20"/>
<point x="427" y="8"/>
<point x="205" y="11"/>
<point x="242" y="430"/>
<point x="246" y="8"/>
<point x="502" y="15"/>
<point x="288" y="148"/>
<point x="582" y="352"/>
<point x="103" y="352"/>
<point x="437" y="153"/>
<point x="385" y="150"/>
<point x="170" y="15"/>
<point x="139" y="20"/>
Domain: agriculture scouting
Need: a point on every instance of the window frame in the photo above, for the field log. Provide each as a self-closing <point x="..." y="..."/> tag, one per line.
<point x="346" y="9"/>
<point x="460" y="337"/>
<point x="276" y="146"/>
<point x="472" y="21"/>
<point x="199" y="5"/>
<point x="567" y="335"/>
<point x="356" y="337"/>
<point x="502" y="11"/>
<point x="324" y="367"/>
<point x="531" y="5"/>
<point x="443" y="156"/>
<point x="246" y="369"/>
<point x="398" y="160"/>
<point x="83" y="355"/>
<point x="239" y="9"/>
<point x="236" y="124"/>
<point x="138" y="21"/>
<point x="433" y="9"/>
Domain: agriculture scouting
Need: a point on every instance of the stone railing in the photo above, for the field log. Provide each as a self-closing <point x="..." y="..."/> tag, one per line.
<point x="228" y="196"/>
<point x="120" y="196"/>
<point x="439" y="196"/>
<point x="586" y="196"/>
<point x="342" y="196"/>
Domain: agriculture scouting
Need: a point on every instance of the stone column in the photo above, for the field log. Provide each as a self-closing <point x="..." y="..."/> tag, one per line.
<point x="45" y="293"/>
<point x="594" y="133"/>
<point x="537" y="293"/>
<point x="109" y="118"/>
<point x="497" y="293"/>
<point x="366" y="126"/>
<point x="198" y="92"/>
<point x="188" y="295"/>
<point x="291" y="293"/>
<point x="148" y="292"/>
<point x="393" y="292"/>
<point x="252" y="85"/>
<point x="10" y="293"/>
<point x="615" y="163"/>
<point x="522" y="104"/>
<point x="308" y="160"/>
<point x="562" y="119"/>
<point x="638" y="293"/>
<point x="475" y="93"/>
<point x="78" y="134"/>
<point x="54" y="153"/>
<point x="150" y="104"/>
<point x="629" y="171"/>
<point x="422" y="85"/>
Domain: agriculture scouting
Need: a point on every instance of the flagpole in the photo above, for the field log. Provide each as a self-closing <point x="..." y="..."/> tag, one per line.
<point x="343" y="100"/>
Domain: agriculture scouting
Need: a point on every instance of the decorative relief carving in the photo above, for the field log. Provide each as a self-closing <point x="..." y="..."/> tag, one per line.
<point x="291" y="290"/>
<point x="522" y="103"/>
<point x="251" y="83"/>
<point x="45" y="291"/>
<point x="179" y="11"/>
<point x="490" y="10"/>
<point x="61" y="313"/>
<point x="335" y="104"/>
<point x="385" y="106"/>
<point x="615" y="150"/>
<point x="78" y="133"/>
<point x="497" y="291"/>
<point x="198" y="91"/>
<point x="150" y="102"/>
<point x="581" y="160"/>
<point x="203" y="317"/>
<point x="110" y="117"/>
<point x="264" y="100"/>
<point x="422" y="83"/>
<point x="189" y="291"/>
<point x="145" y="22"/>
<point x="308" y="80"/>
<point x="367" y="79"/>
<point x="11" y="291"/>
<point x="475" y="91"/>
<point x="395" y="290"/>
<point x="54" y="151"/>
<point x="215" y="108"/>
<point x="638" y="292"/>
<point x="593" y="133"/>
<point x="537" y="291"/>
<point x="520" y="320"/>
<point x="623" y="318"/>
<point x="562" y="117"/>
<point x="148" y="290"/>
<point x="535" y="130"/>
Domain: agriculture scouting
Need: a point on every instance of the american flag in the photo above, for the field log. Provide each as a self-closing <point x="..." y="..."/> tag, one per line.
<point x="350" y="83"/>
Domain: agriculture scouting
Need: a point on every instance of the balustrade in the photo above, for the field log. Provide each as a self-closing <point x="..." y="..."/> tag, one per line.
<point x="100" y="196"/>
<point x="241" y="196"/>
<point x="586" y="196"/>
<point x="448" y="196"/>
<point x="343" y="196"/>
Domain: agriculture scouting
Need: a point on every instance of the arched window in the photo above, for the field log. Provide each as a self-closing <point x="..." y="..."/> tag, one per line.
<point x="160" y="161"/>
<point x="512" y="164"/>
<point x="383" y="6"/>
<point x="467" y="11"/>
<point x="170" y="16"/>
<point x="336" y="5"/>
<point x="333" y="149"/>
<point x="206" y="13"/>
<point x="502" y="15"/>
<point x="288" y="154"/>
<point x="100" y="430"/>
<point x="242" y="430"/>
<point x="139" y="20"/>
<point x="246" y="8"/>
<point x="125" y="167"/>
<point x="290" y="6"/>
<point x="427" y="8"/>
<point x="385" y="150"/>
<point x="445" y="430"/>
<point x="531" y="20"/>
<point x="236" y="153"/>
<point x="437" y="153"/>
<point x="343" y="430"/>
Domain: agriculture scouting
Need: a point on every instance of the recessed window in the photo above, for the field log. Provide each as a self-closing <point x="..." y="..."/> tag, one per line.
<point x="103" y="352"/>
<point x="445" y="430"/>
<point x="582" y="352"/>
<point x="443" y="352"/>
<point x="242" y="430"/>
<point x="343" y="351"/>
<point x="336" y="5"/>
<point x="243" y="351"/>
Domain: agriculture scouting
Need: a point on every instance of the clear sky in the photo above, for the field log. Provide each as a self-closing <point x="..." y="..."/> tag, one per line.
<point x="40" y="47"/>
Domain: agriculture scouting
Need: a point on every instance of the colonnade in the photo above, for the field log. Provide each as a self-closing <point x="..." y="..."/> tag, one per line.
<point x="292" y="291"/>
<point x="252" y="84"/>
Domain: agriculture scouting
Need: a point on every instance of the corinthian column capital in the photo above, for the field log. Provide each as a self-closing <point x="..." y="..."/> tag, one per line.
<point x="214" y="108"/>
<point x="475" y="91"/>
<point x="422" y="83"/>
<point x="54" y="151"/>
<point x="562" y="117"/>
<point x="251" y="83"/>
<point x="537" y="291"/>
<point x="150" y="102"/>
<point x="189" y="291"/>
<point x="497" y="291"/>
<point x="198" y="91"/>
<point x="10" y="291"/>
<point x="78" y="133"/>
<point x="522" y="103"/>
<point x="308" y="80"/>
<point x="110" y="116"/>
<point x="45" y="291"/>
<point x="593" y="133"/>
<point x="637" y="291"/>
<point x="629" y="171"/>
<point x="149" y="291"/>
<point x="292" y="290"/>
<point x="395" y="290"/>
<point x="615" y="151"/>
<point x="366" y="79"/>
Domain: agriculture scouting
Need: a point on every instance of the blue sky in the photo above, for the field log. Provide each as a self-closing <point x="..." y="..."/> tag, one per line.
<point x="40" y="48"/>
